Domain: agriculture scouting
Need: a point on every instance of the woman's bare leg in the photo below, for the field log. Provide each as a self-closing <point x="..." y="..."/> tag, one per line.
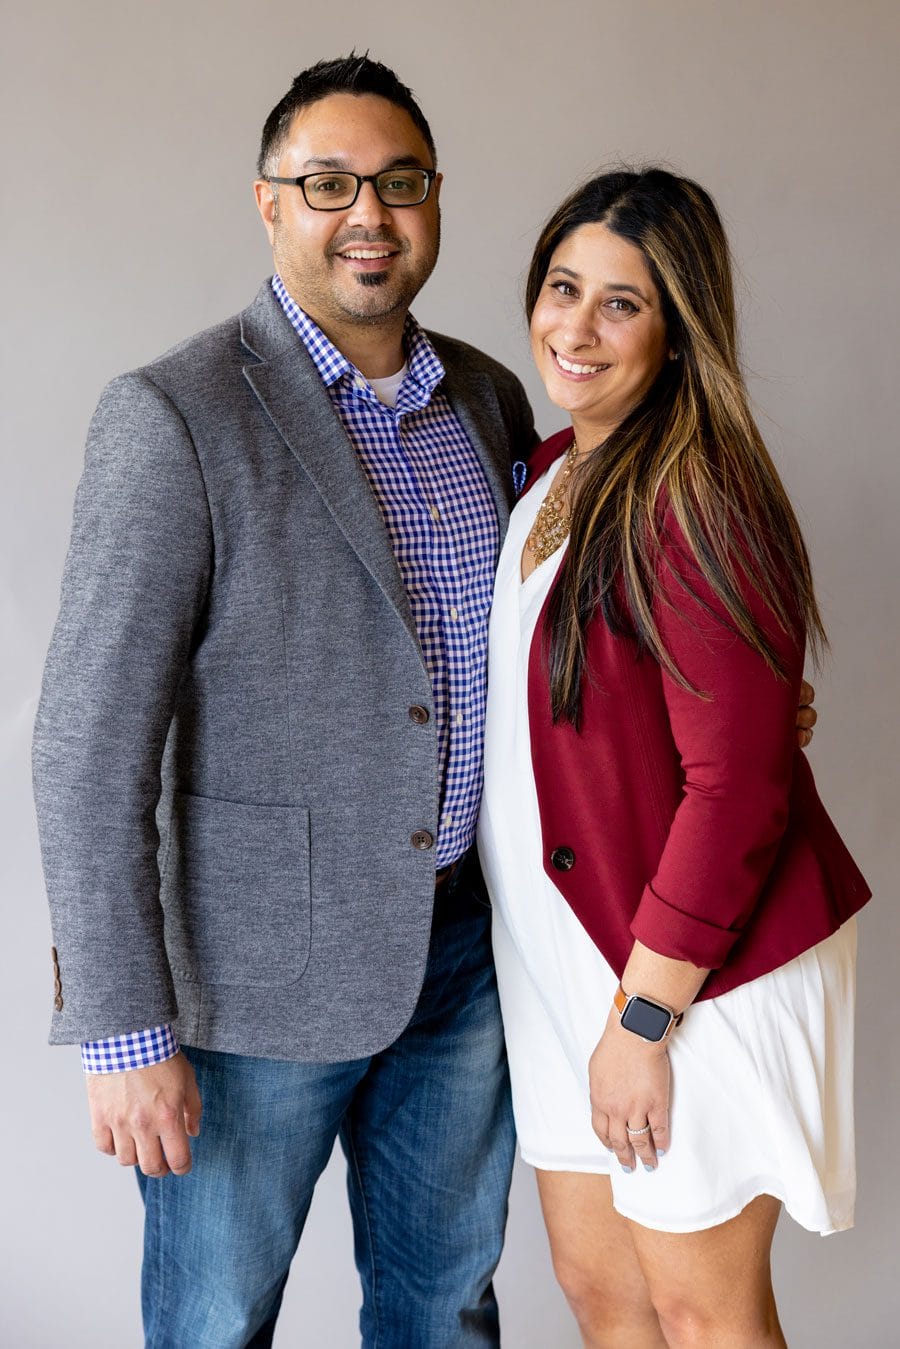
<point x="631" y="1287"/>
<point x="596" y="1264"/>
<point x="713" y="1289"/>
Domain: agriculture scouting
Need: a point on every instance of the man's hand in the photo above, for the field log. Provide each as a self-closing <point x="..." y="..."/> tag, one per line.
<point x="806" y="715"/>
<point x="146" y="1116"/>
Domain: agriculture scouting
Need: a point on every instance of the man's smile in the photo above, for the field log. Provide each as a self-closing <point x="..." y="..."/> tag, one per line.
<point x="367" y="256"/>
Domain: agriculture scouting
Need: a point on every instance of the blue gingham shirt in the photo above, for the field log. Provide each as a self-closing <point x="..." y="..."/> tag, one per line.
<point x="440" y="517"/>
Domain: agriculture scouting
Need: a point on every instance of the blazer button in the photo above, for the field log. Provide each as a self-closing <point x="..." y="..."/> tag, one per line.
<point x="562" y="859"/>
<point x="422" y="840"/>
<point x="419" y="714"/>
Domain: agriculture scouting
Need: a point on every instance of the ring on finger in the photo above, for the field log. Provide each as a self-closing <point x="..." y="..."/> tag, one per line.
<point x="636" y="1133"/>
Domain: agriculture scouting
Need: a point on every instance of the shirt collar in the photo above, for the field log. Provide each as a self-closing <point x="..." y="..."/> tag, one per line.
<point x="425" y="369"/>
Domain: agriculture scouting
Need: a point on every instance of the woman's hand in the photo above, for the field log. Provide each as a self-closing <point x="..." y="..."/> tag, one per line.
<point x="629" y="1081"/>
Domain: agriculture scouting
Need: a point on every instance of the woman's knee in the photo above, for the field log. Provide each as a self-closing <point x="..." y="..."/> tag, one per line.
<point x="689" y="1321"/>
<point x="606" y="1313"/>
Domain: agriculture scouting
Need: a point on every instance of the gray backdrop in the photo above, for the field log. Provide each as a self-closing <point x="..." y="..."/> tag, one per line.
<point x="131" y="130"/>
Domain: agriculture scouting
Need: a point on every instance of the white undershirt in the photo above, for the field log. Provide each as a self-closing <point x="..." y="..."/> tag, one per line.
<point x="386" y="389"/>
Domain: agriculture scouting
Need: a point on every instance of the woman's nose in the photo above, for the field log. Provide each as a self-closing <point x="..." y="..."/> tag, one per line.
<point x="580" y="332"/>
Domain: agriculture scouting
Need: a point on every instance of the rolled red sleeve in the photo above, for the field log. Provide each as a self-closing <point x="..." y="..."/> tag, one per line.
<point x="736" y="742"/>
<point x="679" y="934"/>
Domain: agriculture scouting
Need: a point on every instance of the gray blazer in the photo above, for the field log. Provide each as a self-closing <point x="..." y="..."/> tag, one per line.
<point x="226" y="771"/>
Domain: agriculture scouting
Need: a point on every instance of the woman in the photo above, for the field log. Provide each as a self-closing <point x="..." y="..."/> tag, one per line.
<point x="672" y="903"/>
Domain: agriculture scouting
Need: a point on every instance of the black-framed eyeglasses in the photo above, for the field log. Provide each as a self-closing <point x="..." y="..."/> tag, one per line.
<point x="335" y="190"/>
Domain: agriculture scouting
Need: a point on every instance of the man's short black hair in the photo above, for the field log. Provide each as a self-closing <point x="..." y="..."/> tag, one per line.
<point x="346" y="75"/>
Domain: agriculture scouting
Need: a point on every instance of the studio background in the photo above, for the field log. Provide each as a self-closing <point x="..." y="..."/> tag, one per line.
<point x="130" y="132"/>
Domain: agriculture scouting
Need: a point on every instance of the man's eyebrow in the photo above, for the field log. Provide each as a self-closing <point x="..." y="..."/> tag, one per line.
<point x="406" y="162"/>
<point x="324" y="162"/>
<point x="342" y="163"/>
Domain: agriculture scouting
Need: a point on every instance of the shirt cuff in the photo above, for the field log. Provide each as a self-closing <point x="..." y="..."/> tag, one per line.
<point x="138" y="1049"/>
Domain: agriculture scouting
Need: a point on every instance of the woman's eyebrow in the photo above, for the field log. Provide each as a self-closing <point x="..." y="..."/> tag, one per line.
<point x="632" y="290"/>
<point x="609" y="285"/>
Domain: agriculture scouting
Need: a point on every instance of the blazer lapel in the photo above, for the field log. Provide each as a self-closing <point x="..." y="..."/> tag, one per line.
<point x="290" y="390"/>
<point x="473" y="398"/>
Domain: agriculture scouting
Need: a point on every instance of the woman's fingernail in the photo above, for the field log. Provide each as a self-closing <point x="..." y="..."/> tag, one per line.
<point x="648" y="1168"/>
<point x="627" y="1170"/>
<point x="660" y="1152"/>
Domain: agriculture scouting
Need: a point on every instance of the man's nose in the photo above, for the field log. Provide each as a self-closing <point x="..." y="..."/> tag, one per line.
<point x="368" y="210"/>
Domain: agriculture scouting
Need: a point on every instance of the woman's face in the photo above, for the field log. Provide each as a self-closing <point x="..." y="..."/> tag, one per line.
<point x="598" y="335"/>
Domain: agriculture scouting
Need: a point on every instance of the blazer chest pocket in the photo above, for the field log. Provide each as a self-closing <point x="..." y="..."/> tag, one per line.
<point x="236" y="891"/>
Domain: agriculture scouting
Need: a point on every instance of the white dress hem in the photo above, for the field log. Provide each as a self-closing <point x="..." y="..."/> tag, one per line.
<point x="825" y="1228"/>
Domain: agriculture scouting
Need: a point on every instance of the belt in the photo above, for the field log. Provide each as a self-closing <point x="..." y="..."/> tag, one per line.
<point x="446" y="874"/>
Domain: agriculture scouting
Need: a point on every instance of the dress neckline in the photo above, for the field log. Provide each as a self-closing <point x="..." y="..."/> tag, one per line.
<point x="550" y="474"/>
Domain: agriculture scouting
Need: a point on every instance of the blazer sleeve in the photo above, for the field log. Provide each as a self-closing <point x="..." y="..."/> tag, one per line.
<point x="737" y="744"/>
<point x="133" y="592"/>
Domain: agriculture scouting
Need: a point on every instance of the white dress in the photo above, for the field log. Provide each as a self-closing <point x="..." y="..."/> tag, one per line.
<point x="762" y="1076"/>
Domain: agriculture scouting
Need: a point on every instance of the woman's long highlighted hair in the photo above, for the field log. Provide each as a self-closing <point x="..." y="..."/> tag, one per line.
<point x="691" y="443"/>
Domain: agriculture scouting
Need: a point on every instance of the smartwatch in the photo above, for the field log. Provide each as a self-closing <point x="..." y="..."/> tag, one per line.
<point x="650" y="1020"/>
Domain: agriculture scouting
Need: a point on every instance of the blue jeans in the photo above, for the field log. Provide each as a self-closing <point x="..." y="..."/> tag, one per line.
<point x="426" y="1127"/>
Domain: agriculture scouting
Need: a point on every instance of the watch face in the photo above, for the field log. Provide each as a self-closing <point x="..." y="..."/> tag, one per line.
<point x="646" y="1019"/>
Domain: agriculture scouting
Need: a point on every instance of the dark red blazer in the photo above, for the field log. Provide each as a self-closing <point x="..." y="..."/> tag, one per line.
<point x="692" y="824"/>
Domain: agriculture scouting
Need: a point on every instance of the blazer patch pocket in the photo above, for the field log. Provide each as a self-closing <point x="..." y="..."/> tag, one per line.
<point x="236" y="892"/>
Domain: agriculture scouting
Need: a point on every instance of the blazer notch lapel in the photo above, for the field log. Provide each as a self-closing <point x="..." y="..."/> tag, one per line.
<point x="473" y="398"/>
<point x="295" y="400"/>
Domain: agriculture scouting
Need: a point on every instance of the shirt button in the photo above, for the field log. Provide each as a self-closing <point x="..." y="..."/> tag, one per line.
<point x="359" y="382"/>
<point x="459" y="718"/>
<point x="435" y="513"/>
<point x="448" y="819"/>
<point x="419" y="714"/>
<point x="562" y="859"/>
<point x="422" y="840"/>
<point x="454" y="613"/>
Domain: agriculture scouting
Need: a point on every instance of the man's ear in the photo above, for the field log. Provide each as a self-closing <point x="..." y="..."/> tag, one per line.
<point x="267" y="204"/>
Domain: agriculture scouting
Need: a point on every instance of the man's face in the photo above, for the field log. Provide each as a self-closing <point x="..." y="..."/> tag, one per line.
<point x="314" y="249"/>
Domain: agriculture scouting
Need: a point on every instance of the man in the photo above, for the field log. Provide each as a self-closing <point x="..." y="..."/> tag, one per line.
<point x="258" y="759"/>
<point x="272" y="643"/>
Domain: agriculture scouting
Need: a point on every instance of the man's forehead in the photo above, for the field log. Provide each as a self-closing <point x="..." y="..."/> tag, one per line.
<point x="341" y="127"/>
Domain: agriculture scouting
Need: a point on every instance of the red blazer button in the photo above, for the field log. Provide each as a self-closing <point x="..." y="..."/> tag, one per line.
<point x="562" y="859"/>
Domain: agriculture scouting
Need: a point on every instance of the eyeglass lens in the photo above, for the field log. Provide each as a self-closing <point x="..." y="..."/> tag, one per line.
<point x="396" y="187"/>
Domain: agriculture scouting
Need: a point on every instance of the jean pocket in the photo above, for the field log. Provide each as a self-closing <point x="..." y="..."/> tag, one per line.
<point x="236" y="892"/>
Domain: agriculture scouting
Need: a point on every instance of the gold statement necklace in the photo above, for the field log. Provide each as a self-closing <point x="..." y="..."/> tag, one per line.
<point x="551" y="524"/>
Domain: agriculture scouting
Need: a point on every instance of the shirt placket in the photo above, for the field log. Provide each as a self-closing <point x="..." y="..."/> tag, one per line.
<point x="451" y="586"/>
